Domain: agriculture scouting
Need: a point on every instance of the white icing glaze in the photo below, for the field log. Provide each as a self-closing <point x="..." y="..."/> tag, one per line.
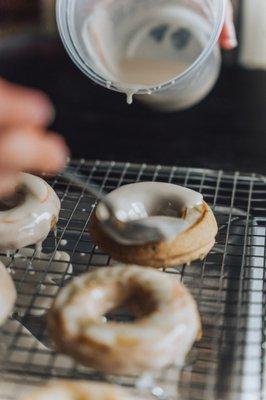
<point x="7" y="294"/>
<point x="38" y="248"/>
<point x="28" y="276"/>
<point x="29" y="222"/>
<point x="130" y="94"/>
<point x="169" y="227"/>
<point x="156" y="204"/>
<point x="152" y="345"/>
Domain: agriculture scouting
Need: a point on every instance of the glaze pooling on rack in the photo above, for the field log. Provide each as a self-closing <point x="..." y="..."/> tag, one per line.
<point x="32" y="274"/>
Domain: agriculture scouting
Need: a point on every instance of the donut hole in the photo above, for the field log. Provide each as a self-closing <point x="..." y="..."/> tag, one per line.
<point x="15" y="200"/>
<point x="137" y="303"/>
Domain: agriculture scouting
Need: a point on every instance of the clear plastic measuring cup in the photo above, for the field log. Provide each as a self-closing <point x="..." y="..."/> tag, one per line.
<point x="164" y="51"/>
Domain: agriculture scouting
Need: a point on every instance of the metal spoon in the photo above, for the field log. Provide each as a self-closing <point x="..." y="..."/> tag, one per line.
<point x="146" y="230"/>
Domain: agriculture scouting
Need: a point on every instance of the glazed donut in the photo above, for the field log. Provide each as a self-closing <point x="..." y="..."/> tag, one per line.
<point x="8" y="294"/>
<point x="33" y="213"/>
<point x="167" y="321"/>
<point x="68" y="390"/>
<point x="157" y="202"/>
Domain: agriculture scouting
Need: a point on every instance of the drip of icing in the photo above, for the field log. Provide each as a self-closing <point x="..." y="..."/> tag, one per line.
<point x="63" y="242"/>
<point x="37" y="276"/>
<point x="17" y="254"/>
<point x="38" y="248"/>
<point x="42" y="287"/>
<point x="30" y="268"/>
<point x="130" y="95"/>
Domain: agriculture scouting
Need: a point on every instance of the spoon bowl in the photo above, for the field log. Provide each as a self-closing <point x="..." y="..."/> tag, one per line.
<point x="140" y="231"/>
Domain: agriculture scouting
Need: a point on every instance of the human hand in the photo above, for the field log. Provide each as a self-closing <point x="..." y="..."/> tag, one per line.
<point x="25" y="145"/>
<point x="228" y="38"/>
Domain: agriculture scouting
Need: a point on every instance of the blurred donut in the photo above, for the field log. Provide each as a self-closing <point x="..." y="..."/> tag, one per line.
<point x="8" y="294"/>
<point x="70" y="390"/>
<point x="166" y="320"/>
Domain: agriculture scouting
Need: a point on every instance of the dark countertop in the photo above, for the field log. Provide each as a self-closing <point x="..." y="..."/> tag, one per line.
<point x="227" y="130"/>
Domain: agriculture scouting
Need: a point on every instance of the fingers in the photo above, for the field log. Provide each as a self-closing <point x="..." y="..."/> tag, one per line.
<point x="228" y="38"/>
<point x="23" y="106"/>
<point x="30" y="149"/>
<point x="24" y="146"/>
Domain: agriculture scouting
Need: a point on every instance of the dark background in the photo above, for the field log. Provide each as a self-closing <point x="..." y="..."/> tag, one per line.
<point x="226" y="130"/>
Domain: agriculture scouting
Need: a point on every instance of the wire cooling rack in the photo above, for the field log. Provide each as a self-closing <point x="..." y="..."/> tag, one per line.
<point x="229" y="287"/>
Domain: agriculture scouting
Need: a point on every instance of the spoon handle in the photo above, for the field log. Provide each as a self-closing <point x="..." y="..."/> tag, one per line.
<point x="94" y="190"/>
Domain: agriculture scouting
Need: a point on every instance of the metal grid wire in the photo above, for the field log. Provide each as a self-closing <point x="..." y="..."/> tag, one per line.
<point x="229" y="287"/>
